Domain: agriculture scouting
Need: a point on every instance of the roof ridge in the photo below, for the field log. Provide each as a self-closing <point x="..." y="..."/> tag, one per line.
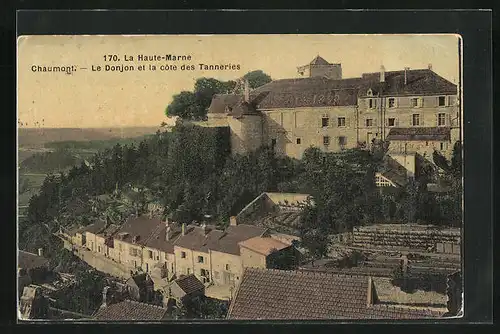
<point x="142" y="303"/>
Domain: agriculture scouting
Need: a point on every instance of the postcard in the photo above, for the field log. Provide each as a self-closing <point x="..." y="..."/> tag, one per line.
<point x="239" y="177"/>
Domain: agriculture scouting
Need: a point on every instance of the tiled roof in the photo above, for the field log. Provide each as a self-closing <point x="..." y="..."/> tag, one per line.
<point x="263" y="245"/>
<point x="394" y="171"/>
<point x="198" y="239"/>
<point x="189" y="284"/>
<point x="143" y="227"/>
<point x="130" y="310"/>
<point x="235" y="234"/>
<point x="217" y="240"/>
<point x="321" y="92"/>
<point x="96" y="227"/>
<point x="319" y="61"/>
<point x="418" y="82"/>
<point x="159" y="240"/>
<point x="419" y="134"/>
<point x="29" y="260"/>
<point x="109" y="231"/>
<point x="283" y="295"/>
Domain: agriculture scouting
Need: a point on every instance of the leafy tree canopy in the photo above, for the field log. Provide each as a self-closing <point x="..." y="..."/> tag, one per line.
<point x="194" y="105"/>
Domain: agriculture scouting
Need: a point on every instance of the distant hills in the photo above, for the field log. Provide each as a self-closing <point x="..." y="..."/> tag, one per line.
<point x="36" y="138"/>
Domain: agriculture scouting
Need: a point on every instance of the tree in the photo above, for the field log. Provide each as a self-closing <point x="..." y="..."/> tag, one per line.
<point x="456" y="160"/>
<point x="257" y="78"/>
<point x="185" y="105"/>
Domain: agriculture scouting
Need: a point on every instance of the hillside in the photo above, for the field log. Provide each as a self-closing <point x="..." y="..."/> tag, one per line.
<point x="36" y="138"/>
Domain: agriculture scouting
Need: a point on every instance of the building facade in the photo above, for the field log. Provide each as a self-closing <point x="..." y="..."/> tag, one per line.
<point x="332" y="113"/>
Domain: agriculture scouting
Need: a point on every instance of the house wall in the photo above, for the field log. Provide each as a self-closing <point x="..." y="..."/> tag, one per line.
<point x="226" y="268"/>
<point x="251" y="259"/>
<point x="78" y="239"/>
<point x="122" y="254"/>
<point x="288" y="125"/>
<point x="148" y="262"/>
<point x="246" y="133"/>
<point x="183" y="264"/>
<point x="403" y="112"/>
<point x="424" y="148"/>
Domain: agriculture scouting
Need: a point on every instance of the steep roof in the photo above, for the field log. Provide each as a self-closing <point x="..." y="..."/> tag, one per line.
<point x="217" y="240"/>
<point x="159" y="239"/>
<point x="419" y="134"/>
<point x="189" y="284"/>
<point x="263" y="245"/>
<point x="228" y="243"/>
<point x="27" y="260"/>
<point x="130" y="310"/>
<point x="394" y="171"/>
<point x="319" y="61"/>
<point x="96" y="227"/>
<point x="143" y="227"/>
<point x="322" y="92"/>
<point x="277" y="294"/>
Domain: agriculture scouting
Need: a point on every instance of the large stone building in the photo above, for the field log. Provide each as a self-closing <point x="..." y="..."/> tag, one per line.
<point x="416" y="110"/>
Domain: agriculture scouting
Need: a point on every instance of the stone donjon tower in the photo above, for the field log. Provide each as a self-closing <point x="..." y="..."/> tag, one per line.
<point x="319" y="67"/>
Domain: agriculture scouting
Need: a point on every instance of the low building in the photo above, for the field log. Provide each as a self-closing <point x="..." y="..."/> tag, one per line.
<point x="129" y="310"/>
<point x="32" y="304"/>
<point x="32" y="268"/>
<point x="268" y="294"/>
<point x="185" y="288"/>
<point x="422" y="140"/>
<point x="393" y="174"/>
<point x="279" y="212"/>
<point x="265" y="252"/>
<point x="140" y="287"/>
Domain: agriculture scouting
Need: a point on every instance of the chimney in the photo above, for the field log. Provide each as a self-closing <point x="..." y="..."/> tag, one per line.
<point x="233" y="221"/>
<point x="382" y="73"/>
<point x="429" y="67"/>
<point x="167" y="231"/>
<point x="406" y="74"/>
<point x="40" y="251"/>
<point x="371" y="296"/>
<point x="204" y="228"/>
<point x="104" y="297"/>
<point x="247" y="91"/>
<point x="183" y="229"/>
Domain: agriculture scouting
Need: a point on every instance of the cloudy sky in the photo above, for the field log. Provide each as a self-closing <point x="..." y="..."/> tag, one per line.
<point x="120" y="99"/>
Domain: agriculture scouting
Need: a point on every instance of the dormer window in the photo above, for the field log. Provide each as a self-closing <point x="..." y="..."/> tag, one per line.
<point x="369" y="92"/>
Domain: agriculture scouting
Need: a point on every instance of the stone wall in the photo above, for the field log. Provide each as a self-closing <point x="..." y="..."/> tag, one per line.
<point x="407" y="237"/>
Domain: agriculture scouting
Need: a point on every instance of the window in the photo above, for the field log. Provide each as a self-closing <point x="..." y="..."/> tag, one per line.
<point x="341" y="121"/>
<point x="183" y="255"/>
<point x="382" y="182"/>
<point x="441" y="119"/>
<point x="342" y="141"/>
<point x="150" y="253"/>
<point x="200" y="259"/>
<point x="369" y="122"/>
<point x="188" y="271"/>
<point x="415" y="120"/>
<point x="325" y="121"/>
<point x="298" y="141"/>
<point x="441" y="101"/>
<point x="426" y="143"/>
<point x="326" y="140"/>
<point x="227" y="266"/>
<point x="442" y="146"/>
<point x="391" y="122"/>
<point x="415" y="102"/>
<point x="216" y="275"/>
<point x="391" y="102"/>
<point x="98" y="249"/>
<point x="371" y="103"/>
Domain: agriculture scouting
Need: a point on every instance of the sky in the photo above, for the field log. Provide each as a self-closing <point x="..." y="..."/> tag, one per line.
<point x="87" y="98"/>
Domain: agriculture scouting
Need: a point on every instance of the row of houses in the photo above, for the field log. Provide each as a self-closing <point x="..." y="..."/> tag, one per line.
<point x="166" y="249"/>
